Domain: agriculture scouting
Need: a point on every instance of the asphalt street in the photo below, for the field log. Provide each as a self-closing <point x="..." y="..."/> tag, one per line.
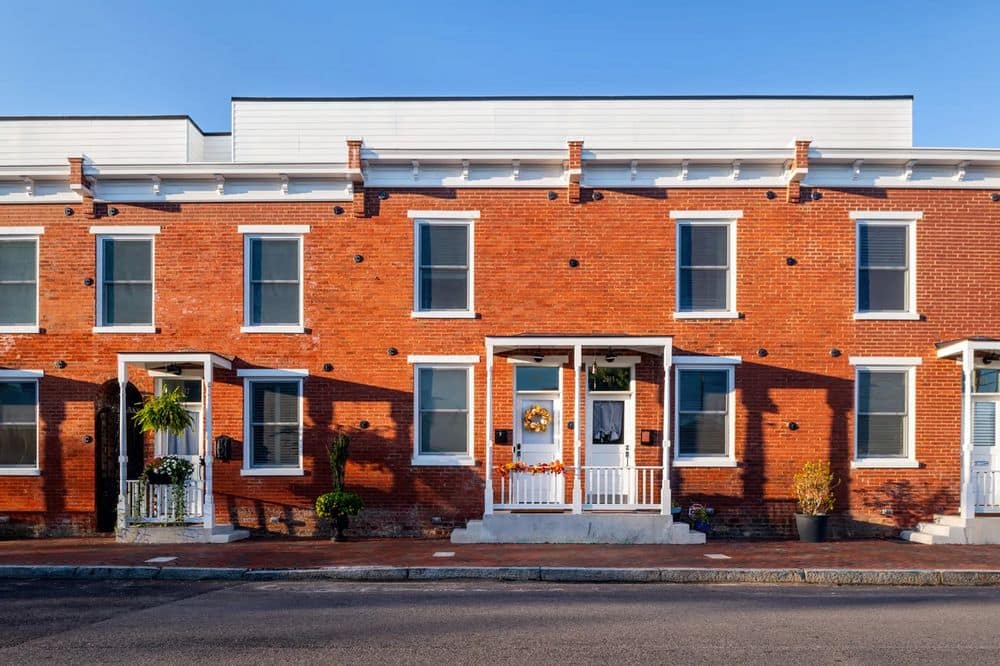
<point x="145" y="622"/>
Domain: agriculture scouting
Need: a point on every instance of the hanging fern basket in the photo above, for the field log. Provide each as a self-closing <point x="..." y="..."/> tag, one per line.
<point x="164" y="413"/>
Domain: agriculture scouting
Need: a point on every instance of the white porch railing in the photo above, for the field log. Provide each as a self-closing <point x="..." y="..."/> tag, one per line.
<point x="987" y="485"/>
<point x="521" y="490"/>
<point x="630" y="487"/>
<point x="149" y="503"/>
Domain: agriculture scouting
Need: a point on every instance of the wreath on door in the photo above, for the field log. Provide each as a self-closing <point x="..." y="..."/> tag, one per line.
<point x="536" y="419"/>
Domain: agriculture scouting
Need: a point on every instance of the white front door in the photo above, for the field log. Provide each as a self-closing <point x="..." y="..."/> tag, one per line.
<point x="610" y="434"/>
<point x="537" y="392"/>
<point x="189" y="445"/>
<point x="985" y="435"/>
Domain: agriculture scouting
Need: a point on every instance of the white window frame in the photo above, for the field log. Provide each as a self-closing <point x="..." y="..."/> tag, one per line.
<point x="268" y="375"/>
<point x="27" y="376"/>
<point x="729" y="459"/>
<point x="273" y="232"/>
<point x="715" y="218"/>
<point x="466" y="459"/>
<point x="132" y="234"/>
<point x="889" y="364"/>
<point x="18" y="234"/>
<point x="444" y="218"/>
<point x="907" y="220"/>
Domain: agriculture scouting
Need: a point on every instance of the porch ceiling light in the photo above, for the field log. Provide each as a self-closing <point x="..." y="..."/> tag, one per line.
<point x="537" y="358"/>
<point x="173" y="369"/>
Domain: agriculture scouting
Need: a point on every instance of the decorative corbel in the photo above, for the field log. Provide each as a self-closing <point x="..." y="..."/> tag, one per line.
<point x="220" y="185"/>
<point x="515" y="169"/>
<point x="684" y="170"/>
<point x="908" y="169"/>
<point x="633" y="169"/>
<point x="156" y="185"/>
<point x="284" y="184"/>
<point x="29" y="186"/>
<point x="465" y="169"/>
<point x="734" y="172"/>
<point x="415" y="165"/>
<point x="960" y="171"/>
<point x="856" y="169"/>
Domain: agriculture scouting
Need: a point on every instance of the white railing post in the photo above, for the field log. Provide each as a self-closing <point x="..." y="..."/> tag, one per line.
<point x="665" y="493"/>
<point x="208" y="504"/>
<point x="968" y="499"/>
<point x="122" y="446"/>
<point x="577" y="471"/>
<point x="488" y="490"/>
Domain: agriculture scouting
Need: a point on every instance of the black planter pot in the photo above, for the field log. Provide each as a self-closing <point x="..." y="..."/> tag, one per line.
<point x="157" y="479"/>
<point x="340" y="524"/>
<point x="812" y="529"/>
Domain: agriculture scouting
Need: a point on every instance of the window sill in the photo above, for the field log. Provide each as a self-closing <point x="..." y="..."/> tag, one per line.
<point x="18" y="329"/>
<point x="443" y="461"/>
<point x="885" y="463"/>
<point x="442" y="314"/>
<point x="704" y="462"/>
<point x="707" y="314"/>
<point x="15" y="471"/>
<point x="273" y="329"/>
<point x="275" y="471"/>
<point x="124" y="329"/>
<point x="887" y="316"/>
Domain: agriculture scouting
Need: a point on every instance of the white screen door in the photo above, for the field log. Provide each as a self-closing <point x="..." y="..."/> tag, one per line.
<point x="985" y="444"/>
<point x="538" y="388"/>
<point x="609" y="478"/>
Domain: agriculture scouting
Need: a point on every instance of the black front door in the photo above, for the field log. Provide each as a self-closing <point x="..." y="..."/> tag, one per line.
<point x="106" y="450"/>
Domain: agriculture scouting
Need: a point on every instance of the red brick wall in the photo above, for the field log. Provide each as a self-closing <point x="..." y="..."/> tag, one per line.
<point x="624" y="284"/>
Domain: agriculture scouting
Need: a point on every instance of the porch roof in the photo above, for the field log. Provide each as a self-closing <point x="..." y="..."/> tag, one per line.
<point x="150" y="359"/>
<point x="652" y="343"/>
<point x="954" y="348"/>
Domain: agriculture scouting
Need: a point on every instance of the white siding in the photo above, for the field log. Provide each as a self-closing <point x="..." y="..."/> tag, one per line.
<point x="107" y="141"/>
<point x="316" y="131"/>
<point x="218" y="148"/>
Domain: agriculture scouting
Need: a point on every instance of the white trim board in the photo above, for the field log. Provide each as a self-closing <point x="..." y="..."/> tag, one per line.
<point x="442" y="358"/>
<point x="124" y="230"/>
<point x="271" y="372"/>
<point x="706" y="214"/>
<point x="22" y="231"/>
<point x="21" y="374"/>
<point x="443" y="214"/>
<point x="708" y="360"/>
<point x="900" y="361"/>
<point x="886" y="215"/>
<point x="273" y="228"/>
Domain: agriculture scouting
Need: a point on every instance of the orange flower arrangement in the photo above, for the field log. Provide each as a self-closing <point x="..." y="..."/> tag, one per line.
<point x="554" y="467"/>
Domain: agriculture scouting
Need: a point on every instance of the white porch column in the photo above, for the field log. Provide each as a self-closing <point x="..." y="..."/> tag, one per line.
<point x="968" y="499"/>
<point x="577" y="471"/>
<point x="208" y="507"/>
<point x="665" y="494"/>
<point x="488" y="490"/>
<point x="122" y="445"/>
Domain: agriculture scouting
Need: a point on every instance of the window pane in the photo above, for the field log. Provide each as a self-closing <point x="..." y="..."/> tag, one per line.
<point x="701" y="434"/>
<point x="274" y="259"/>
<point x="881" y="436"/>
<point x="17" y="402"/>
<point x="444" y="289"/>
<point x="535" y="378"/>
<point x="608" y="422"/>
<point x="881" y="392"/>
<point x="609" y="379"/>
<point x="987" y="381"/>
<point x="703" y="289"/>
<point x="443" y="388"/>
<point x="276" y="445"/>
<point x="704" y="390"/>
<point x="704" y="245"/>
<point x="17" y="261"/>
<point x="984" y="423"/>
<point x="186" y="444"/>
<point x="881" y="246"/>
<point x="275" y="402"/>
<point x="444" y="432"/>
<point x="128" y="260"/>
<point x="18" y="445"/>
<point x="192" y="388"/>
<point x="274" y="303"/>
<point x="17" y="303"/>
<point x="882" y="290"/>
<point x="444" y="245"/>
<point x="128" y="304"/>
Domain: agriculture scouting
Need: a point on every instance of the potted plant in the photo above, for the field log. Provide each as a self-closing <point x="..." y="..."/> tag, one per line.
<point x="337" y="506"/>
<point x="675" y="509"/>
<point x="166" y="413"/>
<point x="700" y="517"/>
<point x="813" y="488"/>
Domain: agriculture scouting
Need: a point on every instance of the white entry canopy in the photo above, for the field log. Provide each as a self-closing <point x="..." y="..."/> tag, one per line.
<point x="152" y="360"/>
<point x="974" y="343"/>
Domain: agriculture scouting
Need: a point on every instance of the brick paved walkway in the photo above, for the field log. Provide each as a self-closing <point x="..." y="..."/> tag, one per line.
<point x="307" y="553"/>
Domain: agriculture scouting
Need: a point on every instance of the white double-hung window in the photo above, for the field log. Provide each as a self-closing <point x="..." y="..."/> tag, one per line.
<point x="443" y="258"/>
<point x="442" y="409"/>
<point x="19" y="279"/>
<point x="273" y="278"/>
<point x="19" y="422"/>
<point x="884" y="400"/>
<point x="272" y="418"/>
<point x="704" y="415"/>
<point x="886" y="275"/>
<point x="706" y="264"/>
<point x="125" y="282"/>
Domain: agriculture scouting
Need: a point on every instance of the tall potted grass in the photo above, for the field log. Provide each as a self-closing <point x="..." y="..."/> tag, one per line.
<point x="813" y="488"/>
<point x="339" y="505"/>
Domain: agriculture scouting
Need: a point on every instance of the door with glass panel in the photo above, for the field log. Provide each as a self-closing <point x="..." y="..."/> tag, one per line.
<point x="609" y="469"/>
<point x="985" y="454"/>
<point x="538" y="434"/>
<point x="188" y="445"/>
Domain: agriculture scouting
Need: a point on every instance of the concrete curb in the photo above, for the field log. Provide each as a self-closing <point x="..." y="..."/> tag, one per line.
<point x="676" y="575"/>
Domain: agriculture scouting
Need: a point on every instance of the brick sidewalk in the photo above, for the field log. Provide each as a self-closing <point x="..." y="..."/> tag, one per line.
<point x="274" y="553"/>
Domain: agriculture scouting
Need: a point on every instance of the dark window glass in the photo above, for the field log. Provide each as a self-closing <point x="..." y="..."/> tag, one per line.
<point x="882" y="268"/>
<point x="702" y="415"/>
<point x="274" y="423"/>
<point x="275" y="291"/>
<point x="444" y="266"/>
<point x="127" y="288"/>
<point x="18" y="424"/>
<point x="987" y="381"/>
<point x="191" y="387"/>
<point x="609" y="379"/>
<point x="882" y="414"/>
<point x="537" y="378"/>
<point x="703" y="267"/>
<point x="18" y="288"/>
<point x="443" y="404"/>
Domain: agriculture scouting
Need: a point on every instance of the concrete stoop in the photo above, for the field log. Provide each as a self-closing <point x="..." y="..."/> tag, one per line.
<point x="152" y="533"/>
<point x="576" y="528"/>
<point x="955" y="530"/>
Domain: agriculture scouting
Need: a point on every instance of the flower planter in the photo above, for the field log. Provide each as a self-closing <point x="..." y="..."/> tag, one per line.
<point x="812" y="529"/>
<point x="158" y="479"/>
<point x="340" y="524"/>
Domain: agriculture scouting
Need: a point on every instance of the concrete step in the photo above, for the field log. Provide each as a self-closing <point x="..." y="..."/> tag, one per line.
<point x="918" y="537"/>
<point x="594" y="527"/>
<point x="953" y="521"/>
<point x="227" y="534"/>
<point x="936" y="529"/>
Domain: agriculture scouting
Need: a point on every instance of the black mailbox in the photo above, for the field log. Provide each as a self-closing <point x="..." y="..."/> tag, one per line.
<point x="223" y="447"/>
<point x="501" y="436"/>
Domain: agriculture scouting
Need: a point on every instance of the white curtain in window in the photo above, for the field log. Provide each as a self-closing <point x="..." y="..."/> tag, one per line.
<point x="608" y="420"/>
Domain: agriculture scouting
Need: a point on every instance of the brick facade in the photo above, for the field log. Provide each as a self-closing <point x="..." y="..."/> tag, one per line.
<point x="625" y="243"/>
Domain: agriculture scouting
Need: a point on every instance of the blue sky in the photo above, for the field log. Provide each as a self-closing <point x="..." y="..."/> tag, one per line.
<point x="137" y="57"/>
